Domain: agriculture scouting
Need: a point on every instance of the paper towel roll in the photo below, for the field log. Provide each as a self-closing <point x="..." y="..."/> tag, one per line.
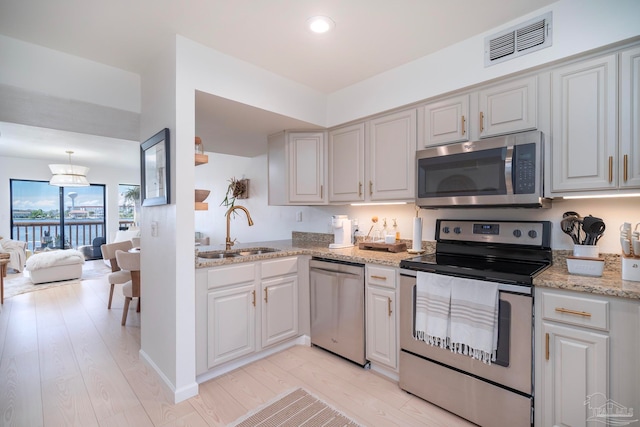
<point x="417" y="234"/>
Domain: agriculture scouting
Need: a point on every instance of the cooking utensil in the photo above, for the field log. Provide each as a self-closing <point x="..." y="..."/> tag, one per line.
<point x="593" y="227"/>
<point x="568" y="227"/>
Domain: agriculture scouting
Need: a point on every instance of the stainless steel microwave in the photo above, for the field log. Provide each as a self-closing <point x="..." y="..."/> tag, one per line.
<point x="494" y="172"/>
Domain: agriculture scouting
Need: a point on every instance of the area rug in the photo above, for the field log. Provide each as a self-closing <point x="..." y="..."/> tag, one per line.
<point x="16" y="284"/>
<point x="296" y="408"/>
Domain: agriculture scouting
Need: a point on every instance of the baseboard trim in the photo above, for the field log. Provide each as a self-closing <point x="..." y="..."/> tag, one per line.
<point x="179" y="394"/>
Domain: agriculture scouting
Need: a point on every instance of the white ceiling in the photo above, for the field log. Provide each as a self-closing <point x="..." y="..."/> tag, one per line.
<point x="370" y="37"/>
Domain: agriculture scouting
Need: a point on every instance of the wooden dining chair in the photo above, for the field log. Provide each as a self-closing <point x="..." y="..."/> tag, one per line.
<point x="130" y="261"/>
<point x="117" y="275"/>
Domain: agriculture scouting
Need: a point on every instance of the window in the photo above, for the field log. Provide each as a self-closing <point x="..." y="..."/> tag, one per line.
<point x="128" y="205"/>
<point x="48" y="217"/>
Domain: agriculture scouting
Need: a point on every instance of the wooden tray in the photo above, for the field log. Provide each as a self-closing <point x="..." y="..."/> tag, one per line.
<point x="390" y="247"/>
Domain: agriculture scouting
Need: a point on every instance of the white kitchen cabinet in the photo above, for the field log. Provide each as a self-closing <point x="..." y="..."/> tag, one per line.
<point x="381" y="308"/>
<point x="231" y="323"/>
<point x="347" y="164"/>
<point x="445" y="121"/>
<point x="279" y="290"/>
<point x="296" y="168"/>
<point x="391" y="144"/>
<point x="496" y="109"/>
<point x="508" y="107"/>
<point x="629" y="159"/>
<point x="584" y="152"/>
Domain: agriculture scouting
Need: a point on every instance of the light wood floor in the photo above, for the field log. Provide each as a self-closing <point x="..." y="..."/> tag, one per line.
<point x="65" y="360"/>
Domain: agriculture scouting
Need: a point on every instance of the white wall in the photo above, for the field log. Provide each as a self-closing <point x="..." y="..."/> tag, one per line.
<point x="20" y="168"/>
<point x="277" y="222"/>
<point x="578" y="26"/>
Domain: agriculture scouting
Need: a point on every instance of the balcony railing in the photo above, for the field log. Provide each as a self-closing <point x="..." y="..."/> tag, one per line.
<point x="76" y="232"/>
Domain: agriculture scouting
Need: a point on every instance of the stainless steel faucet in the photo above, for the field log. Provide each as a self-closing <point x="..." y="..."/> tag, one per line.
<point x="230" y="242"/>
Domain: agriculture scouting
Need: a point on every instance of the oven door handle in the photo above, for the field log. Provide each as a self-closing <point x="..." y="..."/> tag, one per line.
<point x="508" y="170"/>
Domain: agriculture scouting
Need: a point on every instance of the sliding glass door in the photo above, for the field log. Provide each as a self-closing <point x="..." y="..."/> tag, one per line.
<point x="49" y="217"/>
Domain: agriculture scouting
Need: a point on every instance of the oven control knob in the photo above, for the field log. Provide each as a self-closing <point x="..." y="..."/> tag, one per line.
<point x="445" y="230"/>
<point x="457" y="230"/>
<point x="517" y="233"/>
<point x="533" y="234"/>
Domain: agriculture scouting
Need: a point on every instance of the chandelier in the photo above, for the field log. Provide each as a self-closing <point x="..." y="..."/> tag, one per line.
<point x="68" y="175"/>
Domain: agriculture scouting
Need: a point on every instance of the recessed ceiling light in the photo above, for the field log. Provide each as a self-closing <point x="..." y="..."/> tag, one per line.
<point x="320" y="24"/>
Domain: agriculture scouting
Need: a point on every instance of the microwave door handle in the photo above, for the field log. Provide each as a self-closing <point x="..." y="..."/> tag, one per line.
<point x="508" y="170"/>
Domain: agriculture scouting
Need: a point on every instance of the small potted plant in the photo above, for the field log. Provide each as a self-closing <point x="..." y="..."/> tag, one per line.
<point x="237" y="189"/>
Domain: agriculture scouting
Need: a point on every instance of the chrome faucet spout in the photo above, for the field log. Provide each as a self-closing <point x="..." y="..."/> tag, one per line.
<point x="228" y="241"/>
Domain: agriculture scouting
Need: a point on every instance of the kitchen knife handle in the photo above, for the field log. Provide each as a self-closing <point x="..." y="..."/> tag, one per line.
<point x="266" y="295"/>
<point x="610" y="168"/>
<point x="546" y="346"/>
<point x="568" y="311"/>
<point x="625" y="164"/>
<point x="254" y="298"/>
<point x="463" y="128"/>
<point x="481" y="122"/>
<point x="389" y="305"/>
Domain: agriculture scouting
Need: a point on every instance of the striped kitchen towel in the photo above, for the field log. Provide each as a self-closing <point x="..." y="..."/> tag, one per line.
<point x="433" y="298"/>
<point x="474" y="319"/>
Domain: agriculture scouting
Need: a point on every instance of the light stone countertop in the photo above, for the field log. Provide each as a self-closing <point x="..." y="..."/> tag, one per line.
<point x="315" y="244"/>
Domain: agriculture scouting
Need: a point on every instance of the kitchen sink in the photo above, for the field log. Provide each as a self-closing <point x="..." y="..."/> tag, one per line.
<point x="236" y="253"/>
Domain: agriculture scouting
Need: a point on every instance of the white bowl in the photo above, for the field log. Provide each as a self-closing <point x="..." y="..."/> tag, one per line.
<point x="585" y="266"/>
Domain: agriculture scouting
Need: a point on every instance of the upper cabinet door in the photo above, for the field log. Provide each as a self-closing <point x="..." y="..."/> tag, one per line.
<point x="346" y="164"/>
<point x="444" y="122"/>
<point x="509" y="107"/>
<point x="392" y="153"/>
<point x="630" y="119"/>
<point x="583" y="143"/>
<point x="306" y="167"/>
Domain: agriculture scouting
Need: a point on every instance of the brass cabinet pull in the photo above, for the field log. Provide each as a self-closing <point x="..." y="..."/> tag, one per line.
<point x="610" y="168"/>
<point x="568" y="311"/>
<point x="378" y="277"/>
<point x="254" y="298"/>
<point x="360" y="189"/>
<point x="266" y="295"/>
<point x="389" y="306"/>
<point x="463" y="129"/>
<point x="370" y="188"/>
<point x="625" y="164"/>
<point x="481" y="122"/>
<point x="546" y="346"/>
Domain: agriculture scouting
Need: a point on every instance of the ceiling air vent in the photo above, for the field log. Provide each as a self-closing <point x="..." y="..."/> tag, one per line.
<point x="527" y="37"/>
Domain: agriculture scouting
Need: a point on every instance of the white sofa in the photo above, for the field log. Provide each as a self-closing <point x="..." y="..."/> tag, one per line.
<point x="17" y="251"/>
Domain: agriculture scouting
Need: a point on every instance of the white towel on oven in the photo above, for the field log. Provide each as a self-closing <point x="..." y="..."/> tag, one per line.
<point x="433" y="299"/>
<point x="474" y="319"/>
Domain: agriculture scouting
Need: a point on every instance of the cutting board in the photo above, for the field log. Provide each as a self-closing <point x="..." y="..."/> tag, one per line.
<point x="390" y="247"/>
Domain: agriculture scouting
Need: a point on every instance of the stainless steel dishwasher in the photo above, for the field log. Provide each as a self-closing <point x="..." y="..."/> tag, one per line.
<point x="337" y="308"/>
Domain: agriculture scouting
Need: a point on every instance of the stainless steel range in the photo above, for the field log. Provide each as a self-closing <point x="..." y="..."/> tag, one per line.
<point x="510" y="254"/>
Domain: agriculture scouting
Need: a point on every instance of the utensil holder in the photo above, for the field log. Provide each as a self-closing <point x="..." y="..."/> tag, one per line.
<point x="631" y="268"/>
<point x="586" y="251"/>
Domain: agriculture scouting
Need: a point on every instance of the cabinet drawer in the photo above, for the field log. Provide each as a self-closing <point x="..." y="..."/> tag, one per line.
<point x="279" y="267"/>
<point x="381" y="276"/>
<point x="231" y="275"/>
<point x="576" y="310"/>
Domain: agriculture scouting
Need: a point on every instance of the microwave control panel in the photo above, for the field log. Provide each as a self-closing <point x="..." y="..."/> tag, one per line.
<point x="524" y="174"/>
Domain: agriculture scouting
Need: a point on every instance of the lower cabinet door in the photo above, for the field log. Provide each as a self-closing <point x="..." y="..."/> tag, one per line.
<point x="231" y="323"/>
<point x="575" y="376"/>
<point x="381" y="326"/>
<point x="279" y="309"/>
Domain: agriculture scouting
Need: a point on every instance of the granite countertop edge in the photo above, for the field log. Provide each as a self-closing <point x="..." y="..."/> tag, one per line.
<point x="557" y="276"/>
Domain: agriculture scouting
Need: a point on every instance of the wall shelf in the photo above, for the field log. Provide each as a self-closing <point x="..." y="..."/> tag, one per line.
<point x="201" y="159"/>
<point x="201" y="206"/>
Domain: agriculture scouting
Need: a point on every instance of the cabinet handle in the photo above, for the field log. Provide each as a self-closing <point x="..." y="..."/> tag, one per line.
<point x="463" y="129"/>
<point x="625" y="164"/>
<point x="389" y="306"/>
<point x="360" y="189"/>
<point x="378" y="277"/>
<point x="254" y="298"/>
<point x="370" y="188"/>
<point x="322" y="191"/>
<point x="568" y="311"/>
<point x="481" y="122"/>
<point x="546" y="346"/>
<point x="266" y="295"/>
<point x="610" y="168"/>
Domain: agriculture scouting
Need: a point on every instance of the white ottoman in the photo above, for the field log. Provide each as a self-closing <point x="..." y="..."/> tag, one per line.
<point x="54" y="266"/>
